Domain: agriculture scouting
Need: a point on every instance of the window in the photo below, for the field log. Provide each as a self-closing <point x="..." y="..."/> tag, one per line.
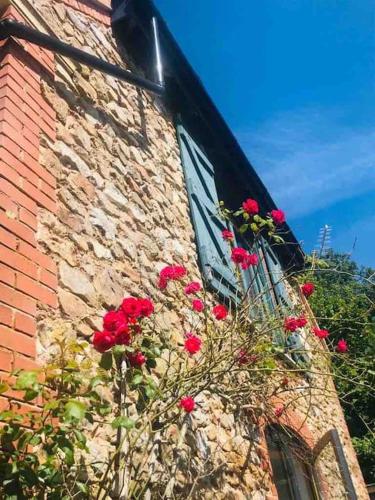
<point x="292" y="468"/>
<point x="213" y="251"/>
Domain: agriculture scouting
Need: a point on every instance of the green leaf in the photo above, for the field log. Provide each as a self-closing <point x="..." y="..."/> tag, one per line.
<point x="26" y="380"/>
<point x="124" y="422"/>
<point x="3" y="387"/>
<point x="244" y="228"/>
<point x="106" y="361"/>
<point x="83" y="488"/>
<point x="254" y="228"/>
<point x="30" y="394"/>
<point x="51" y="405"/>
<point x="151" y="363"/>
<point x="137" y="379"/>
<point x="95" y="381"/>
<point x="74" y="410"/>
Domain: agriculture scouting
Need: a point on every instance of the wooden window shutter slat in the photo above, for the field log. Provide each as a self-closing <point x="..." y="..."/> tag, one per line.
<point x="212" y="249"/>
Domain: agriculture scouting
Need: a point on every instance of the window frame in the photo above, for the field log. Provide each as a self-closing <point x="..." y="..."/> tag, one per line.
<point x="280" y="441"/>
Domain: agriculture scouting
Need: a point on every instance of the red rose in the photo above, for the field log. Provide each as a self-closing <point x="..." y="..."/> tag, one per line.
<point x="145" y="307"/>
<point x="250" y="206"/>
<point x="301" y="321"/>
<point x="102" y="341"/>
<point x="251" y="259"/>
<point x="137" y="358"/>
<point x="278" y="217"/>
<point x="238" y="255"/>
<point x="122" y="335"/>
<point x="197" y="305"/>
<point x="244" y="358"/>
<point x="308" y="289"/>
<point x="220" y="312"/>
<point x="279" y="410"/>
<point x="130" y="307"/>
<point x="170" y="273"/>
<point x="192" y="287"/>
<point x="192" y="344"/>
<point x="321" y="334"/>
<point x="290" y="324"/>
<point x="227" y="235"/>
<point x="188" y="404"/>
<point x="112" y="319"/>
<point x="342" y="346"/>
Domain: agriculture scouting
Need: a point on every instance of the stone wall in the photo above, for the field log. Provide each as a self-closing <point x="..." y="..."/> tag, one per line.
<point x="120" y="214"/>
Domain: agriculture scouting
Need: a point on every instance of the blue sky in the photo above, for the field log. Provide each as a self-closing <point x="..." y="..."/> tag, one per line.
<point x="295" y="80"/>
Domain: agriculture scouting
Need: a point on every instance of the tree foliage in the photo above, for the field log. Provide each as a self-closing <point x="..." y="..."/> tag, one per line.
<point x="344" y="304"/>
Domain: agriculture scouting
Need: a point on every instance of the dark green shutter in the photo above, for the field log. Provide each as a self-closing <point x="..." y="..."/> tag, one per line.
<point x="212" y="249"/>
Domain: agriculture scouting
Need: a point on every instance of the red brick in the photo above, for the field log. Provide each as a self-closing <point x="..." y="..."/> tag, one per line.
<point x="7" y="275"/>
<point x="30" y="162"/>
<point x="17" y="195"/>
<point x="17" y="299"/>
<point x="38" y="257"/>
<point x="9" y="145"/>
<point x="6" y="91"/>
<point x="22" y="363"/>
<point x="6" y="361"/>
<point x="6" y="315"/>
<point x="17" y="137"/>
<point x="10" y="161"/>
<point x="25" y="323"/>
<point x="17" y="342"/>
<point x="7" y="204"/>
<point x="35" y="290"/>
<point x="7" y="239"/>
<point x="8" y="117"/>
<point x="28" y="218"/>
<point x="18" y="262"/>
<point x="48" y="279"/>
<point x="17" y="228"/>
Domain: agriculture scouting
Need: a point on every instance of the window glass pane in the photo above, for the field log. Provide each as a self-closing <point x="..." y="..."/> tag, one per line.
<point x="293" y="475"/>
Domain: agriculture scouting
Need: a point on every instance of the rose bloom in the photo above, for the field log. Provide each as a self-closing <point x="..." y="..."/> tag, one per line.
<point x="170" y="273"/>
<point x="301" y="321"/>
<point x="137" y="358"/>
<point x="308" y="289"/>
<point x="227" y="235"/>
<point x="251" y="259"/>
<point x="250" y="206"/>
<point x="187" y="403"/>
<point x="342" y="346"/>
<point x="290" y="324"/>
<point x="192" y="344"/>
<point x="244" y="358"/>
<point x="197" y="305"/>
<point x="279" y="410"/>
<point x="278" y="217"/>
<point x="192" y="287"/>
<point x="321" y="334"/>
<point x="220" y="312"/>
<point x="145" y="307"/>
<point x="130" y="307"/>
<point x="122" y="335"/>
<point x="102" y="341"/>
<point x="238" y="255"/>
<point x="112" y="319"/>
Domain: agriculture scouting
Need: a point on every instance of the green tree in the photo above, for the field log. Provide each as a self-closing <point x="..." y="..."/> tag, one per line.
<point x="344" y="304"/>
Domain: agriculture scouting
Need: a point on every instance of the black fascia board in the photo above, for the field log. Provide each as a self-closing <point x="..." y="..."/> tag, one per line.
<point x="189" y="98"/>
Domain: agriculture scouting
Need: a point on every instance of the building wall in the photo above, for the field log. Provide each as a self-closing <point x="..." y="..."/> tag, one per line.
<point x="93" y="204"/>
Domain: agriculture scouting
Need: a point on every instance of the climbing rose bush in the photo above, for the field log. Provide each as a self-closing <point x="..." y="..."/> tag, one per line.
<point x="223" y="350"/>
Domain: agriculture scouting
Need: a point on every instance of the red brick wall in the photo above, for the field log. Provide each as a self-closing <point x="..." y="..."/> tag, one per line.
<point x="27" y="276"/>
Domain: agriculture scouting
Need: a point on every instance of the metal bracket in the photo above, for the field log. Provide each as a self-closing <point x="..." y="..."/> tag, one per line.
<point x="11" y="28"/>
